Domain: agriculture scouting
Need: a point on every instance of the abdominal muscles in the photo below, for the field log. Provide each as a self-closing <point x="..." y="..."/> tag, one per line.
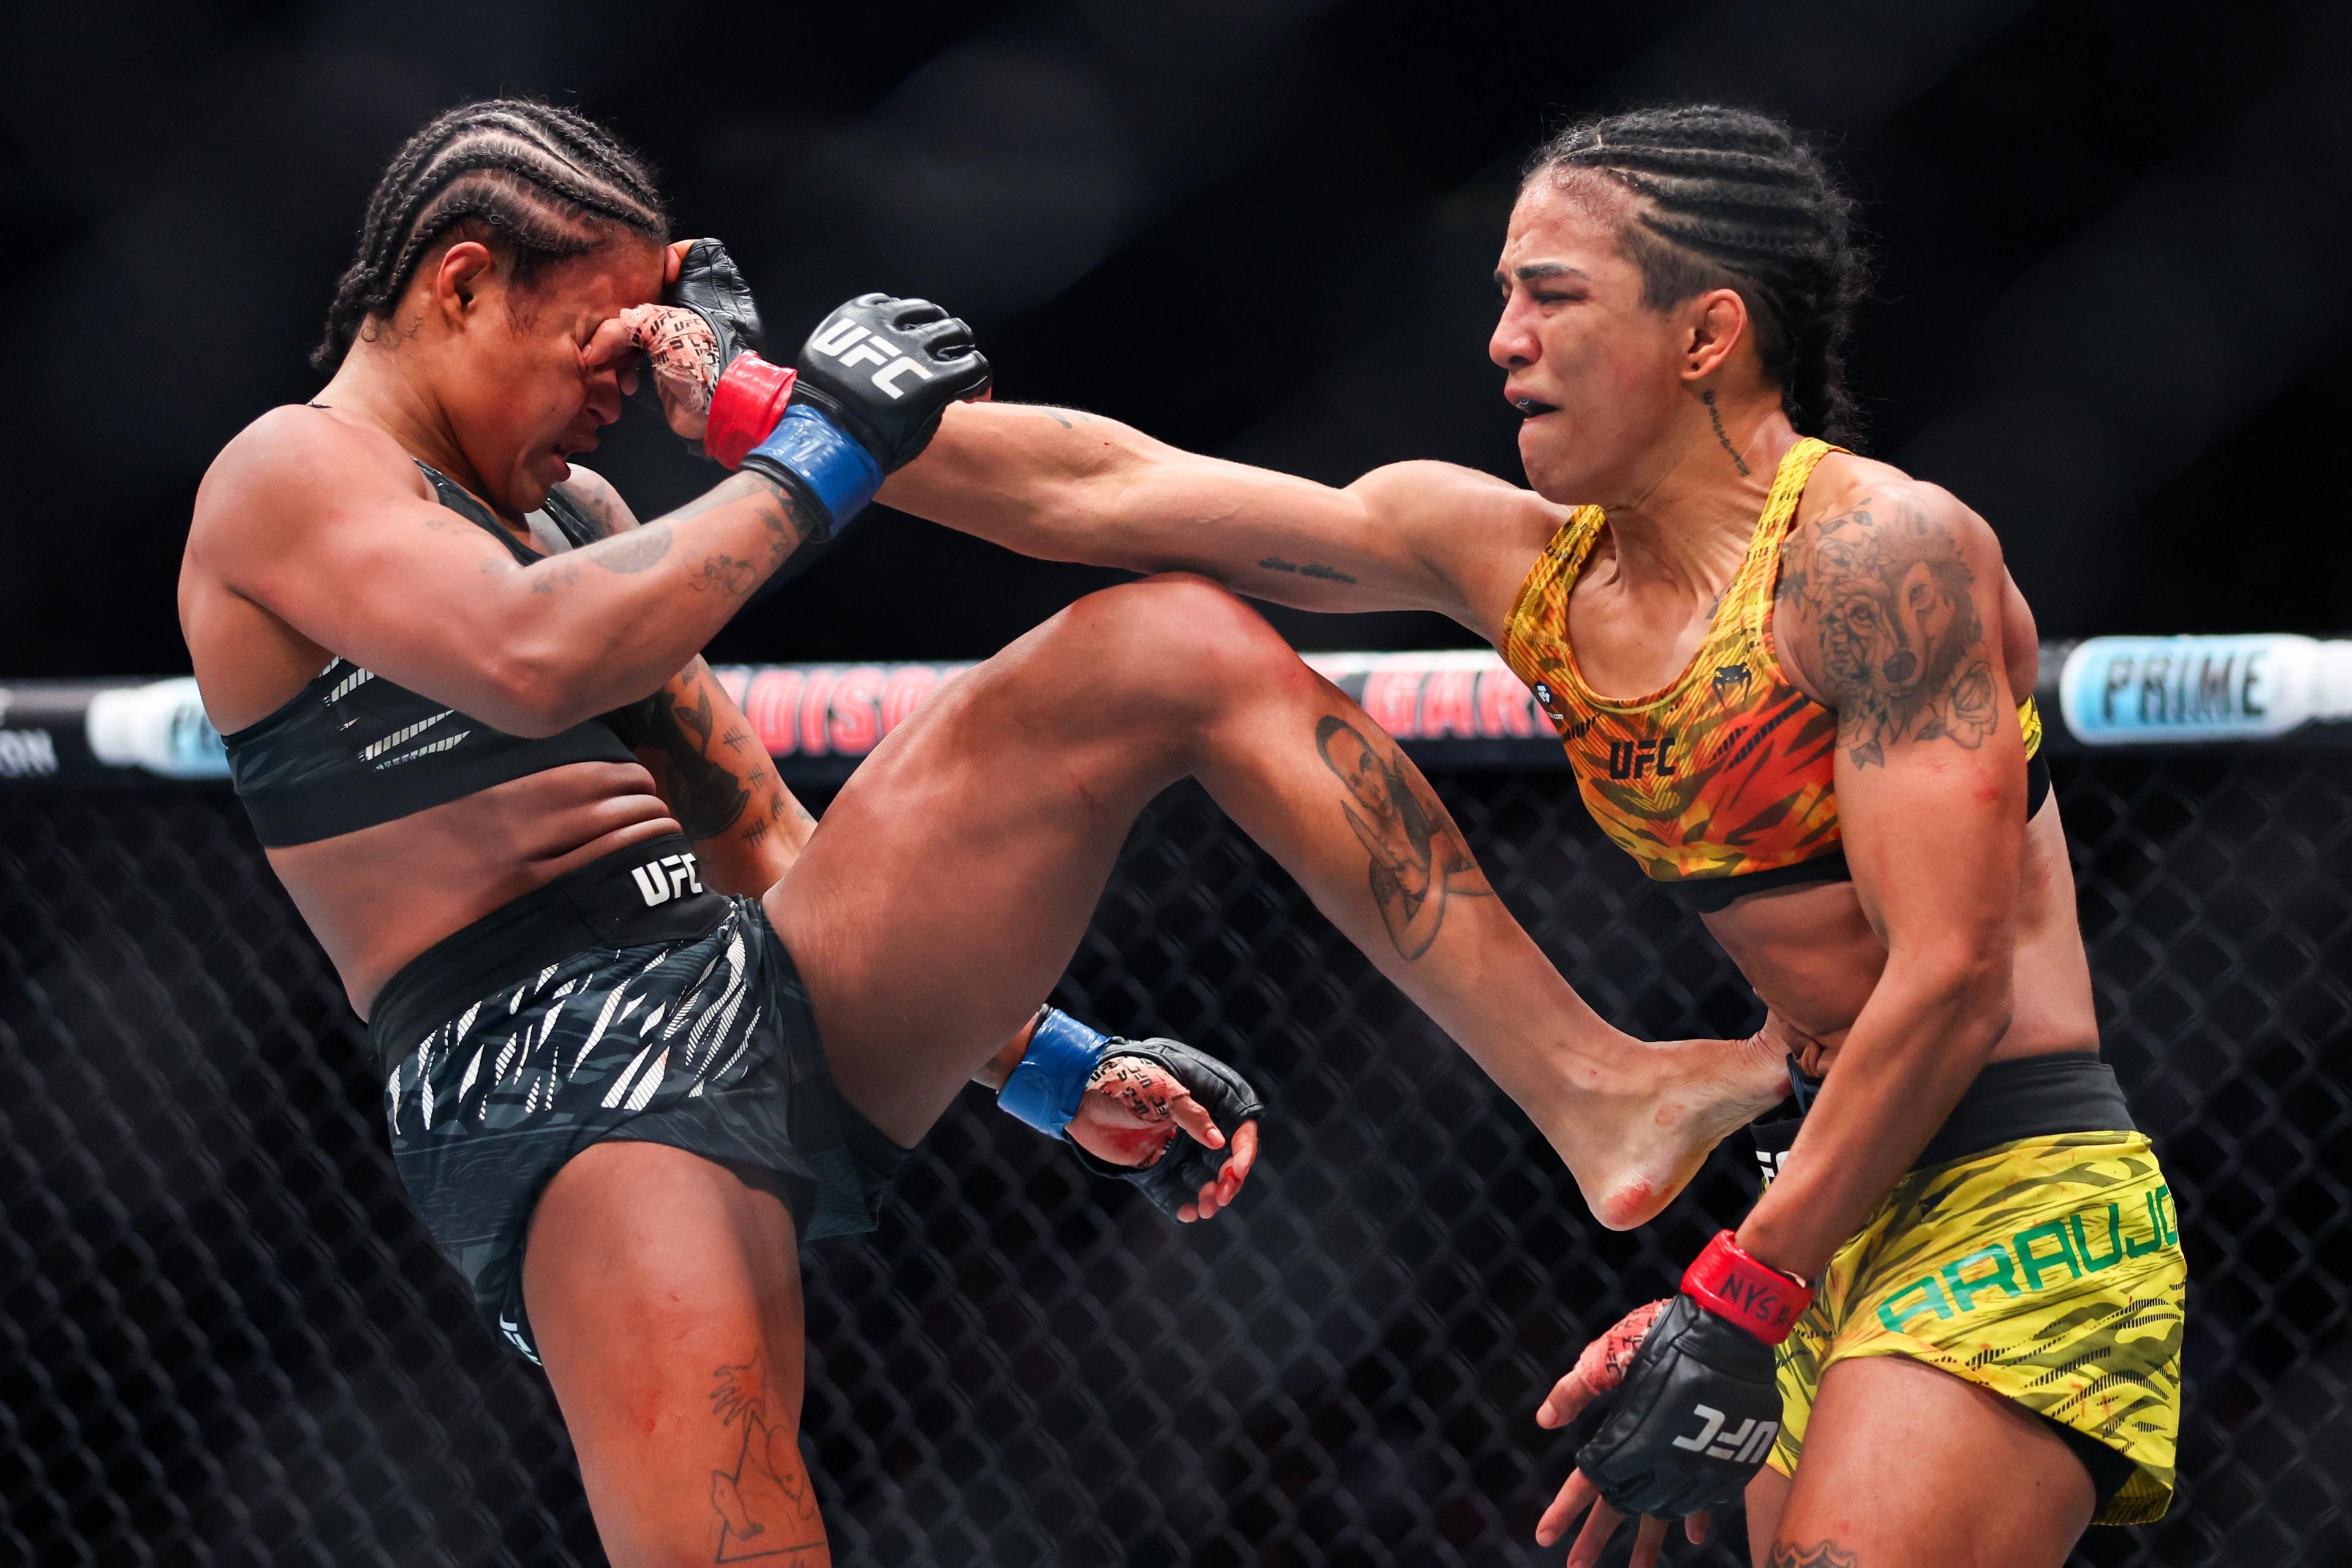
<point x="1814" y="958"/>
<point x="377" y="898"/>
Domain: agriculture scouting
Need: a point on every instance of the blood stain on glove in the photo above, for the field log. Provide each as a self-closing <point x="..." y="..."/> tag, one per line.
<point x="1141" y="1090"/>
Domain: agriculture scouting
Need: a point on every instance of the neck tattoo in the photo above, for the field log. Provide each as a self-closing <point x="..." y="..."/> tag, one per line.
<point x="1715" y="420"/>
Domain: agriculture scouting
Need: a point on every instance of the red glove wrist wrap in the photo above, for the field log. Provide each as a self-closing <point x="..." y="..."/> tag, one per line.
<point x="744" y="407"/>
<point x="1758" y="1297"/>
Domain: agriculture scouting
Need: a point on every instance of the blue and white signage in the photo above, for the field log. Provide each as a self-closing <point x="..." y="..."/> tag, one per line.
<point x="2134" y="690"/>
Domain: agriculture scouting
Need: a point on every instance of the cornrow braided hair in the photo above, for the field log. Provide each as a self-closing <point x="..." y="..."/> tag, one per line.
<point x="1731" y="199"/>
<point x="536" y="181"/>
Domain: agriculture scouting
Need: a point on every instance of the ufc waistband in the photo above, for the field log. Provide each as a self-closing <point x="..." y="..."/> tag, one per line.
<point x="648" y="892"/>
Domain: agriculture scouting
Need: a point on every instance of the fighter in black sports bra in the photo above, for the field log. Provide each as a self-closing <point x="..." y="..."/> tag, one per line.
<point x="351" y="749"/>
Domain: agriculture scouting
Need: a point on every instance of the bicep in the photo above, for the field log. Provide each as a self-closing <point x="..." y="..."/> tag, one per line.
<point x="388" y="579"/>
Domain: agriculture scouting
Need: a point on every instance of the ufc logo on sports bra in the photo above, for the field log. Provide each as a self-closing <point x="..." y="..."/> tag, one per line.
<point x="854" y="345"/>
<point x="671" y="877"/>
<point x="1748" y="1444"/>
<point x="1642" y="759"/>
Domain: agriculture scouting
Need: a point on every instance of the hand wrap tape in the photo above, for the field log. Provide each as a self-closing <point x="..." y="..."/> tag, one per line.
<point x="1045" y="1088"/>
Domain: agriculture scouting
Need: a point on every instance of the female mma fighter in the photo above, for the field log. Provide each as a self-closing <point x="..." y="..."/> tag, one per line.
<point x="642" y="1030"/>
<point x="1796" y="687"/>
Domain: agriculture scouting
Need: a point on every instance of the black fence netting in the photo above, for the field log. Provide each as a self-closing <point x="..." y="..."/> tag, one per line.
<point x="223" y="1339"/>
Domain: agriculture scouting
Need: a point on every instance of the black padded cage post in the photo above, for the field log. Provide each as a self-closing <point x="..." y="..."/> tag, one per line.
<point x="225" y="1340"/>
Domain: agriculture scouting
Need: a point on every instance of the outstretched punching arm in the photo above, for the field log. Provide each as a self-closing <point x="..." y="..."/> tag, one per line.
<point x="1068" y="486"/>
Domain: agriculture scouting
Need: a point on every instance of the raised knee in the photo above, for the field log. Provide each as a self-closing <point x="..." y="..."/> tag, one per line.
<point x="1183" y="625"/>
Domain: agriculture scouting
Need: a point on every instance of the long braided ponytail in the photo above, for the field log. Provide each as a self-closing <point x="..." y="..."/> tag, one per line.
<point x="539" y="181"/>
<point x="1731" y="199"/>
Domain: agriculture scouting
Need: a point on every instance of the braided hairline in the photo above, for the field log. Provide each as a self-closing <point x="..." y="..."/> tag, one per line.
<point x="1729" y="198"/>
<point x="540" y="181"/>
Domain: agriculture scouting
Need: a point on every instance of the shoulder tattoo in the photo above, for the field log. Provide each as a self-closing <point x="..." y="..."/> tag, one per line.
<point x="1882" y="620"/>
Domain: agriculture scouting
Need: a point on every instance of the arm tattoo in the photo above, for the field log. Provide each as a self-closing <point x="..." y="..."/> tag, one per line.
<point x="1312" y="569"/>
<point x="1887" y="625"/>
<point x="706" y="795"/>
<point x="1820" y="1555"/>
<point x="1419" y="863"/>
<point x="639" y="550"/>
<point x="776" y="511"/>
<point x="765" y="1506"/>
<point x="725" y="575"/>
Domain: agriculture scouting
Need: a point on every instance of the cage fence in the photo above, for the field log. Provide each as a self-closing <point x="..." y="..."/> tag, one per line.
<point x="225" y="1340"/>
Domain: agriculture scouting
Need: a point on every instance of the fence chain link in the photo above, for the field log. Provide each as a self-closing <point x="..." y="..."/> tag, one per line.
<point x="225" y="1340"/>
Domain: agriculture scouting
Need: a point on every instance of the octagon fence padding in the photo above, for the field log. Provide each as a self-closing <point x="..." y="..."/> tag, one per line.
<point x="227" y="1342"/>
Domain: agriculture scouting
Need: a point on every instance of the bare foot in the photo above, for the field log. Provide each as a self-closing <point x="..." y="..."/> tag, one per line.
<point x="1679" y="1100"/>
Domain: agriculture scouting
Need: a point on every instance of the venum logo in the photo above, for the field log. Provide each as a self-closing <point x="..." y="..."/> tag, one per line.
<point x="854" y="345"/>
<point x="671" y="877"/>
<point x="1746" y="1445"/>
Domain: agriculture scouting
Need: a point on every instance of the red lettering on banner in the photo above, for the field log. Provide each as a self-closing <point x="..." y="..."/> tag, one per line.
<point x="815" y="698"/>
<point x="770" y="702"/>
<point x="908" y="685"/>
<point x="1449" y="704"/>
<point x="1392" y="699"/>
<point x="1505" y="706"/>
<point x="856" y="710"/>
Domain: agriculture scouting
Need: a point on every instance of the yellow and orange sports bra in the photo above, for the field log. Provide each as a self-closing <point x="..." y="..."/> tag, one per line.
<point x="1720" y="784"/>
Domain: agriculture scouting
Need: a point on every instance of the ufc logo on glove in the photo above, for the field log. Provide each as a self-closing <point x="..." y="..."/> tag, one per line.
<point x="855" y="345"/>
<point x="1749" y="1443"/>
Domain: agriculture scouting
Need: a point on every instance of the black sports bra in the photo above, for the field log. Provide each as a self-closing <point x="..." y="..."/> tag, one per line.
<point x="351" y="749"/>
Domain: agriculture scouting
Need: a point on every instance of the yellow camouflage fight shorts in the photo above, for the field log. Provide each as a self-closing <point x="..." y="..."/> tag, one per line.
<point x="2047" y="1270"/>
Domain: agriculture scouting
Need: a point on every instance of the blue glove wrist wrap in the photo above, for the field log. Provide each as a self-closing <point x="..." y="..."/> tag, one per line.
<point x="1045" y="1088"/>
<point x="833" y="464"/>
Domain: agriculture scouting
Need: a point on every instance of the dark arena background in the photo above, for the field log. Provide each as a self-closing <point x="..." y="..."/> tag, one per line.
<point x="2111" y="315"/>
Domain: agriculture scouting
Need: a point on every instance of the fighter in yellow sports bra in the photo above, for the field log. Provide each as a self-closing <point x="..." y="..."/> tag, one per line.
<point x="1720" y="782"/>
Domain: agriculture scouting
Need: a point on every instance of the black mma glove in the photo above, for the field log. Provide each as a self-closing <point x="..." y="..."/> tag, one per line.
<point x="710" y="285"/>
<point x="873" y="382"/>
<point x="701" y="342"/>
<point x="1063" y="1061"/>
<point x="1692" y="1406"/>
<point x="1186" y="1165"/>
<point x="1690" y="1426"/>
<point x="885" y="369"/>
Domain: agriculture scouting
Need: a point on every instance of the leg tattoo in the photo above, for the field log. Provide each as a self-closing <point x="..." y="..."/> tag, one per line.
<point x="1418" y="860"/>
<point x="764" y="1506"/>
<point x="1820" y="1555"/>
